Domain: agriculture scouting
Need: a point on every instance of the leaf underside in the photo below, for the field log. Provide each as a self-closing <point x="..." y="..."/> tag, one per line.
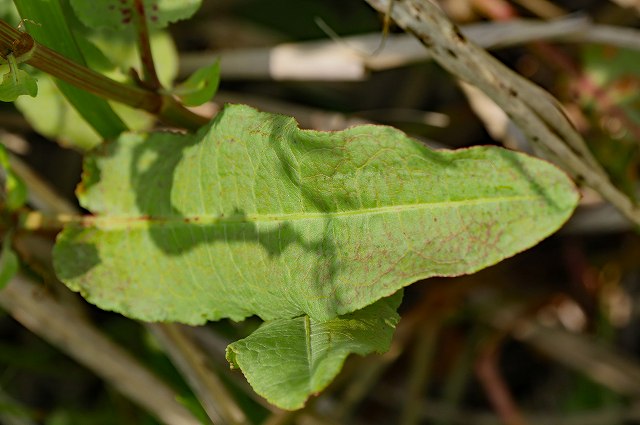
<point x="287" y="360"/>
<point x="252" y="215"/>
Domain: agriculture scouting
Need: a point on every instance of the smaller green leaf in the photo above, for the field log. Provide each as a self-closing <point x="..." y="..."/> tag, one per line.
<point x="16" y="82"/>
<point x="15" y="189"/>
<point x="9" y="263"/>
<point x="200" y="87"/>
<point x="288" y="360"/>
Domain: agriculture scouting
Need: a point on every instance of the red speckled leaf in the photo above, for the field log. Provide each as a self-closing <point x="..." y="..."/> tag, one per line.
<point x="252" y="215"/>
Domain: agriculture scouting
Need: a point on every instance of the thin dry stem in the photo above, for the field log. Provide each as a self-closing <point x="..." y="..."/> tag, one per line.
<point x="73" y="334"/>
<point x="495" y="387"/>
<point x="419" y="372"/>
<point x="37" y="310"/>
<point x="192" y="362"/>
<point x="535" y="111"/>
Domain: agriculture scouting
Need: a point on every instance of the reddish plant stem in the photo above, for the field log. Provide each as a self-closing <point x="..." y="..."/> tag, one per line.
<point x="499" y="10"/>
<point x="495" y="387"/>
<point x="149" y="74"/>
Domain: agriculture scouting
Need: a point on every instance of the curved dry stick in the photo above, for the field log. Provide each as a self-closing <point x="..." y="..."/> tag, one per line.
<point x="45" y="316"/>
<point x="534" y="110"/>
<point x="191" y="360"/>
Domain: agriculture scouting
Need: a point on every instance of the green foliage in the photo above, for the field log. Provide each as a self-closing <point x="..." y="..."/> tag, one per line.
<point x="15" y="190"/>
<point x="16" y="82"/>
<point x="62" y="122"/>
<point x="118" y="14"/>
<point x="254" y="216"/>
<point x="8" y="11"/>
<point x="314" y="232"/>
<point x="117" y="53"/>
<point x="287" y="360"/>
<point x="9" y="263"/>
<point x="200" y="87"/>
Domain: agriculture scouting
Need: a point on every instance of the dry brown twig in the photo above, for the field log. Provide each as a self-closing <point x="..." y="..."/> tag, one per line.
<point x="37" y="310"/>
<point x="535" y="111"/>
<point x="351" y="57"/>
<point x="192" y="362"/>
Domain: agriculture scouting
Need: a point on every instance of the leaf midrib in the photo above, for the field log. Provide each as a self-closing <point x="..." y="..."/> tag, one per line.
<point x="142" y="220"/>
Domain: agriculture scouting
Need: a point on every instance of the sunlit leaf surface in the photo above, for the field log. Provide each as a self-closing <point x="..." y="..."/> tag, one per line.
<point x="252" y="215"/>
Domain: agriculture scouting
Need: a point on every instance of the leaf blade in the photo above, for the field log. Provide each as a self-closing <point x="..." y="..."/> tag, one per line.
<point x="15" y="83"/>
<point x="64" y="122"/>
<point x="288" y="360"/>
<point x="254" y="216"/>
<point x="200" y="87"/>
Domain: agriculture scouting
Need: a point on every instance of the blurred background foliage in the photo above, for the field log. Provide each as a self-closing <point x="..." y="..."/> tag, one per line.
<point x="551" y="336"/>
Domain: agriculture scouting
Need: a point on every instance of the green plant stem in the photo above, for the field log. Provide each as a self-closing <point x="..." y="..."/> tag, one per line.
<point x="422" y="365"/>
<point x="37" y="221"/>
<point x="165" y="107"/>
<point x="456" y="382"/>
<point x="84" y="78"/>
<point x="149" y="74"/>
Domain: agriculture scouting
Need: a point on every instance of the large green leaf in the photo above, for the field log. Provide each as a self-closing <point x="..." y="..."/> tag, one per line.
<point x="287" y="360"/>
<point x="117" y="14"/>
<point x="252" y="215"/>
